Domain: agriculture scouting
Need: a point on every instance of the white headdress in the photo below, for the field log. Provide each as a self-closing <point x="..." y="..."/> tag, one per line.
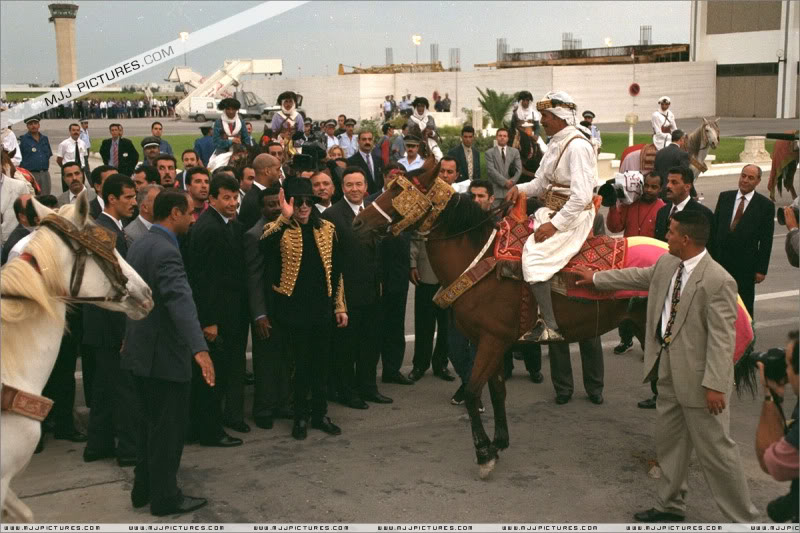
<point x="560" y="104"/>
<point x="664" y="99"/>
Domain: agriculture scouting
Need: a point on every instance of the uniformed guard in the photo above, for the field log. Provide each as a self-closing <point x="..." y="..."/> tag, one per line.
<point x="663" y="122"/>
<point x="36" y="153"/>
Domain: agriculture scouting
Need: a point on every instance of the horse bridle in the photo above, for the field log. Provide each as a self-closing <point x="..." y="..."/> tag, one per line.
<point x="91" y="240"/>
<point x="705" y="135"/>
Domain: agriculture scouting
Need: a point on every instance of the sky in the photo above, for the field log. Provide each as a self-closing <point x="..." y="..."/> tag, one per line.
<point x="314" y="38"/>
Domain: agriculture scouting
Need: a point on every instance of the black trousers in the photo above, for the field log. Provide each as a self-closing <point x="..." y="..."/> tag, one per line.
<point x="310" y="349"/>
<point x="88" y="369"/>
<point x="591" y="362"/>
<point x="233" y="364"/>
<point x="427" y="317"/>
<point x="626" y="331"/>
<point x="164" y="408"/>
<point x="206" y="402"/>
<point x="113" y="414"/>
<point x="531" y="355"/>
<point x="357" y="352"/>
<point x="60" y="385"/>
<point x="271" y="369"/>
<point x="393" y="330"/>
<point x="746" y="286"/>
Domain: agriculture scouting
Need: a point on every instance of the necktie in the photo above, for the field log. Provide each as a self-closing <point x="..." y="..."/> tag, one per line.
<point x="114" y="154"/>
<point x="360" y="209"/>
<point x="78" y="154"/>
<point x="503" y="151"/>
<point x="676" y="298"/>
<point x="369" y="164"/>
<point x="739" y="212"/>
<point x="673" y="211"/>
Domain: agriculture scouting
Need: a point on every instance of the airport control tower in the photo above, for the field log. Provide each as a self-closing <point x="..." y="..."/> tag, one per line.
<point x="63" y="16"/>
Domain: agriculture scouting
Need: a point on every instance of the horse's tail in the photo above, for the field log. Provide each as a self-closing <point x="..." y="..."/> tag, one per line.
<point x="745" y="373"/>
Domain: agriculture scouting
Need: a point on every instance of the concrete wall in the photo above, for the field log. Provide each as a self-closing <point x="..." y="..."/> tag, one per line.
<point x="754" y="47"/>
<point x="601" y="88"/>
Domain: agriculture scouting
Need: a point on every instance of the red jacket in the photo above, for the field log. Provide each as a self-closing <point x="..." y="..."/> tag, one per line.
<point x="637" y="219"/>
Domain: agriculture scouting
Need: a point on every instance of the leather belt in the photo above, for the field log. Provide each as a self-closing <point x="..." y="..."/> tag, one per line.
<point x="555" y="201"/>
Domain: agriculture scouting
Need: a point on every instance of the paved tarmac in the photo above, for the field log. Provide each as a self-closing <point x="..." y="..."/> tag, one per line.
<point x="413" y="460"/>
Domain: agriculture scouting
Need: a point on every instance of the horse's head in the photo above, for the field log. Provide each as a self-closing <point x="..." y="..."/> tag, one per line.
<point x="403" y="203"/>
<point x="711" y="132"/>
<point x="89" y="268"/>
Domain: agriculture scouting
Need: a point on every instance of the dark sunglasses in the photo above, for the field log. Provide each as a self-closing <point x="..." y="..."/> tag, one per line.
<point x="303" y="200"/>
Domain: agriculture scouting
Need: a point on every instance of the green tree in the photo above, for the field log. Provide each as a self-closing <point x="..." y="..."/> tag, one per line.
<point x="495" y="105"/>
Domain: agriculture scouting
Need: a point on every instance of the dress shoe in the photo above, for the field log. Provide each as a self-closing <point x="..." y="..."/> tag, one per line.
<point x="397" y="378"/>
<point x="90" y="456"/>
<point x="623" y="346"/>
<point x="649" y="403"/>
<point x="354" y="403"/>
<point x="561" y="399"/>
<point x="240" y="427"/>
<point x="458" y="397"/>
<point x="72" y="436"/>
<point x="126" y="460"/>
<point x="416" y="374"/>
<point x="653" y="515"/>
<point x="186" y="505"/>
<point x="300" y="429"/>
<point x="481" y="408"/>
<point x="224" y="441"/>
<point x="444" y="374"/>
<point x="376" y="397"/>
<point x="139" y="498"/>
<point x="249" y="378"/>
<point x="537" y="377"/>
<point x="264" y="422"/>
<point x="325" y="424"/>
<point x="596" y="399"/>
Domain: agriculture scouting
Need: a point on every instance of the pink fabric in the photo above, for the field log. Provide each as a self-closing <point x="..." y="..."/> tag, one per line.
<point x="781" y="459"/>
<point x="643" y="252"/>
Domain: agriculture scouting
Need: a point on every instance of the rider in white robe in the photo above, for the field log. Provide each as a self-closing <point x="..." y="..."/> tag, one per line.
<point x="569" y="169"/>
<point x="663" y="122"/>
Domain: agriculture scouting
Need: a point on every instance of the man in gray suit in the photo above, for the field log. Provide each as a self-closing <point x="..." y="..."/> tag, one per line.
<point x="158" y="350"/>
<point x="270" y="357"/>
<point x="690" y="340"/>
<point x="72" y="174"/>
<point x="503" y="165"/>
<point x="145" y="197"/>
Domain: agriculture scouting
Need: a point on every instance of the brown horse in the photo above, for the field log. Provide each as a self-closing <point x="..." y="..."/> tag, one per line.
<point x="488" y="313"/>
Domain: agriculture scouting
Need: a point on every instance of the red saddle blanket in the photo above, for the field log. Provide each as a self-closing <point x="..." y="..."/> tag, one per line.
<point x="597" y="253"/>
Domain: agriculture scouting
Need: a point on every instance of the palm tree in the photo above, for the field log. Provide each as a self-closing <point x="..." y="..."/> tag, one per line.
<point x="496" y="105"/>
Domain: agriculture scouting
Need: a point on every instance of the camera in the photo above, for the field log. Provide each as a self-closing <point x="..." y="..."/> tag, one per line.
<point x="782" y="216"/>
<point x="627" y="188"/>
<point x="774" y="361"/>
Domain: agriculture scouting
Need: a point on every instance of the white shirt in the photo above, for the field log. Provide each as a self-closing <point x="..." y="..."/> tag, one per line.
<point x="117" y="222"/>
<point x="16" y="251"/>
<point x="331" y="141"/>
<point x="66" y="150"/>
<point x="321" y="208"/>
<point x="417" y="163"/>
<point x="461" y="186"/>
<point x="355" y="207"/>
<point x="679" y="207"/>
<point x="226" y="219"/>
<point x="348" y="145"/>
<point x="688" y="267"/>
<point x="739" y="195"/>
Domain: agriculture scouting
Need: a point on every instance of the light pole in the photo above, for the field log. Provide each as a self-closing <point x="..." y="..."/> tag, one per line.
<point x="417" y="40"/>
<point x="184" y="35"/>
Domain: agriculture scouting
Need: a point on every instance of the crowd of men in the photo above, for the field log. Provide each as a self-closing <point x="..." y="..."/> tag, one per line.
<point x="261" y="243"/>
<point x="114" y="108"/>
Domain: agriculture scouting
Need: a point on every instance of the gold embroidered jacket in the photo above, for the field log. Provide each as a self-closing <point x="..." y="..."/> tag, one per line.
<point x="290" y="247"/>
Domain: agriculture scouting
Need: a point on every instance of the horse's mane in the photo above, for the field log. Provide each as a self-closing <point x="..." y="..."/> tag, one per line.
<point x="462" y="215"/>
<point x="18" y="277"/>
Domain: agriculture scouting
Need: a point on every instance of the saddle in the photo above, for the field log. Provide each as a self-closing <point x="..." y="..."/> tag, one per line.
<point x="647" y="158"/>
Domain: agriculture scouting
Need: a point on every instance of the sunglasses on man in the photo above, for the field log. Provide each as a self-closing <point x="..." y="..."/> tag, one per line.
<point x="303" y="200"/>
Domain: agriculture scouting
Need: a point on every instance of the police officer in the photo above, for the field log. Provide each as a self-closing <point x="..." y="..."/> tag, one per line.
<point x="36" y="154"/>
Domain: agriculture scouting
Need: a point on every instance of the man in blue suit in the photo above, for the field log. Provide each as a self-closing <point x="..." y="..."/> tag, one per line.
<point x="158" y="351"/>
<point x="204" y="146"/>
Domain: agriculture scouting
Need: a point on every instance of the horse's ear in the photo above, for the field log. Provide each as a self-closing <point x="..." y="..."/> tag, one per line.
<point x="81" y="208"/>
<point x="705" y="120"/>
<point x="716" y="120"/>
<point x="41" y="210"/>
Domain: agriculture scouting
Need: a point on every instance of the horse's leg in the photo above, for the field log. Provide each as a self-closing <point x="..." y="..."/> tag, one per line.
<point x="497" y="390"/>
<point x="487" y="363"/>
<point x="17" y="510"/>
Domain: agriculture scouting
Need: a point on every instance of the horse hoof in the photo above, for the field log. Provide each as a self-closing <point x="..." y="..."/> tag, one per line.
<point x="485" y="469"/>
<point x="500" y="444"/>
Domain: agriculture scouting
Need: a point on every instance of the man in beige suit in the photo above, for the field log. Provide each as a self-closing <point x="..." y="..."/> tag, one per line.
<point x="690" y="341"/>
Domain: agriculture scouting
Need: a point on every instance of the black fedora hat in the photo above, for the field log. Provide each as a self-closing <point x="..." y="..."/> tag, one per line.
<point x="420" y="100"/>
<point x="524" y="95"/>
<point x="287" y="94"/>
<point x="225" y="103"/>
<point x="299" y="188"/>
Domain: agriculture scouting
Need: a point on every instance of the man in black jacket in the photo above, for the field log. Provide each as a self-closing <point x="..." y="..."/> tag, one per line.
<point x="674" y="155"/>
<point x="113" y="393"/>
<point x="357" y="347"/>
<point x="217" y="277"/>
<point x="679" y="185"/>
<point x="370" y="164"/>
<point x="267" y="173"/>
<point x="744" y="222"/>
<point x="158" y="351"/>
<point x="467" y="157"/>
<point x="119" y="152"/>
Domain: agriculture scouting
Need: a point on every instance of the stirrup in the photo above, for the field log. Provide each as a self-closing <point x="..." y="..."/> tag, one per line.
<point x="542" y="334"/>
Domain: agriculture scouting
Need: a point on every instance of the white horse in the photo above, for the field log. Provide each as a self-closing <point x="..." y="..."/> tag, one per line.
<point x="35" y="289"/>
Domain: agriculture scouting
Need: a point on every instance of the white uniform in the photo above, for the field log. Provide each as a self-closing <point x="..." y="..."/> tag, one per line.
<point x="659" y="119"/>
<point x="575" y="175"/>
